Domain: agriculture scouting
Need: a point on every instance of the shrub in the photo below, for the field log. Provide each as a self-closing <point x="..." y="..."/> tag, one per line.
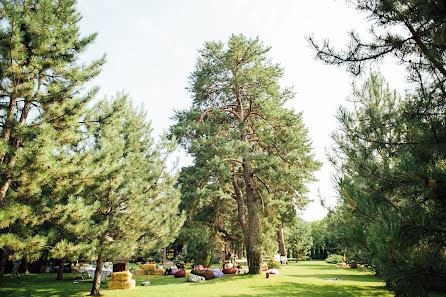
<point x="334" y="259"/>
<point x="274" y="264"/>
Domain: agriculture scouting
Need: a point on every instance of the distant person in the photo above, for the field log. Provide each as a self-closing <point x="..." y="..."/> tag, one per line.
<point x="223" y="266"/>
<point x="15" y="268"/>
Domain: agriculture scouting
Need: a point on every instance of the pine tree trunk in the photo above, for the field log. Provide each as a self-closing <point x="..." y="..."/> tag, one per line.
<point x="2" y="263"/>
<point x="26" y="258"/>
<point x="61" y="269"/>
<point x="281" y="240"/>
<point x="97" y="277"/>
<point x="254" y="250"/>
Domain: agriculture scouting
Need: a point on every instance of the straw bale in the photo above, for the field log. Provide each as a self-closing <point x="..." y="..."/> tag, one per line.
<point x="140" y="272"/>
<point x="121" y="276"/>
<point x="122" y="285"/>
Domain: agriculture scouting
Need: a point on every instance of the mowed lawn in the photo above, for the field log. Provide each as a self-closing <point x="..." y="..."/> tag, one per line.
<point x="296" y="279"/>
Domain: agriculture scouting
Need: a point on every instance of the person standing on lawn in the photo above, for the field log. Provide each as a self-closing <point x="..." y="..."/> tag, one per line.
<point x="15" y="268"/>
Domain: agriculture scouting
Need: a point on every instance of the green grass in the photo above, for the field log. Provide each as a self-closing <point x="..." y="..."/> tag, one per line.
<point x="301" y="279"/>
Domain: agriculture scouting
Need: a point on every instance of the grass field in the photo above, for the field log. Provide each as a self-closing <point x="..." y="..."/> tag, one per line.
<point x="301" y="279"/>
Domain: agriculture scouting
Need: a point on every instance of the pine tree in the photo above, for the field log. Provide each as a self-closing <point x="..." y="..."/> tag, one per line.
<point x="41" y="102"/>
<point x="391" y="149"/>
<point x="390" y="181"/>
<point x="261" y="147"/>
<point x="135" y="201"/>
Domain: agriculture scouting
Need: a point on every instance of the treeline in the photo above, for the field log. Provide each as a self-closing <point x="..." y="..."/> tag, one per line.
<point x="78" y="180"/>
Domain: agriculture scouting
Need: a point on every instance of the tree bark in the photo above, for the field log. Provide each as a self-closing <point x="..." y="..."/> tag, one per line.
<point x="26" y="258"/>
<point x="254" y="250"/>
<point x="97" y="277"/>
<point x="281" y="241"/>
<point x="2" y="263"/>
<point x="61" y="269"/>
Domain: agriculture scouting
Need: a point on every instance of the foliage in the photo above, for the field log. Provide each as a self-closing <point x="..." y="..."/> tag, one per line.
<point x="274" y="264"/>
<point x="390" y="150"/>
<point x="42" y="100"/>
<point x="334" y="259"/>
<point x="299" y="239"/>
<point x="136" y="203"/>
<point x="246" y="145"/>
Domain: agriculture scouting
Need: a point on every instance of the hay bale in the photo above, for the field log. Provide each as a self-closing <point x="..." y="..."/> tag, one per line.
<point x="122" y="285"/>
<point x="157" y="272"/>
<point x="140" y="272"/>
<point x="121" y="276"/>
<point x="149" y="267"/>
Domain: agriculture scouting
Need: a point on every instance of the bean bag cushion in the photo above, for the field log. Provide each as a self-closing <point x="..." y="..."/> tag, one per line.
<point x="193" y="278"/>
<point x="196" y="271"/>
<point x="232" y="270"/>
<point x="273" y="271"/>
<point x="173" y="271"/>
<point x="217" y="273"/>
<point x="180" y="273"/>
<point x="207" y="274"/>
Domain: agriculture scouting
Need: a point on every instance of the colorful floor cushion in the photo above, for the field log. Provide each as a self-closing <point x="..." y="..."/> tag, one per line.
<point x="173" y="271"/>
<point x="207" y="274"/>
<point x="193" y="278"/>
<point x="232" y="270"/>
<point x="217" y="273"/>
<point x="180" y="273"/>
<point x="273" y="271"/>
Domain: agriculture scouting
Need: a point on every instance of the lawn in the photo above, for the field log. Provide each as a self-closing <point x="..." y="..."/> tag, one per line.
<point x="296" y="279"/>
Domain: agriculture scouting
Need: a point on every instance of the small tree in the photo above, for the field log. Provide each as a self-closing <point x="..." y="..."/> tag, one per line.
<point x="136" y="204"/>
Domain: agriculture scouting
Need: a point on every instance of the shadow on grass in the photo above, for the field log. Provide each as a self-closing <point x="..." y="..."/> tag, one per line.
<point x="296" y="289"/>
<point x="45" y="285"/>
<point x="346" y="277"/>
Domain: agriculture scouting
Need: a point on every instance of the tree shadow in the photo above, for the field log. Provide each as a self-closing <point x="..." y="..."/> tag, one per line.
<point x="45" y="285"/>
<point x="315" y="290"/>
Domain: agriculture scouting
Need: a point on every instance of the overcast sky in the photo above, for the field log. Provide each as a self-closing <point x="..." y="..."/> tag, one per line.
<point x="151" y="49"/>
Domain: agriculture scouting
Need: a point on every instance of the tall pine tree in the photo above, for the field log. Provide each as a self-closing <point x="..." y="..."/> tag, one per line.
<point x="40" y="103"/>
<point x="260" y="147"/>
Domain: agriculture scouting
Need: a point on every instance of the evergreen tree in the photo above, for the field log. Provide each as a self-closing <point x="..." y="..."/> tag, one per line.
<point x="392" y="150"/>
<point x="40" y="104"/>
<point x="254" y="143"/>
<point x="136" y="204"/>
<point x="298" y="239"/>
<point x="391" y="175"/>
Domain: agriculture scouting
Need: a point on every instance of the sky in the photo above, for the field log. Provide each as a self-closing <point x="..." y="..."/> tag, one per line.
<point x="151" y="48"/>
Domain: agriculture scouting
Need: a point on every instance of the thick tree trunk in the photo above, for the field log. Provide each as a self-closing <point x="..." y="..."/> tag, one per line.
<point x="2" y="262"/>
<point x="254" y="250"/>
<point x="26" y="258"/>
<point x="241" y="207"/>
<point x="61" y="269"/>
<point x="281" y="241"/>
<point x="97" y="277"/>
<point x="164" y="255"/>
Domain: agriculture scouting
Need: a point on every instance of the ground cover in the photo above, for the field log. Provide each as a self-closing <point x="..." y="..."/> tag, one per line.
<point x="296" y="279"/>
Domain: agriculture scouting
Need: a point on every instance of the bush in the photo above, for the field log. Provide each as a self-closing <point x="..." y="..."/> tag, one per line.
<point x="274" y="264"/>
<point x="334" y="259"/>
